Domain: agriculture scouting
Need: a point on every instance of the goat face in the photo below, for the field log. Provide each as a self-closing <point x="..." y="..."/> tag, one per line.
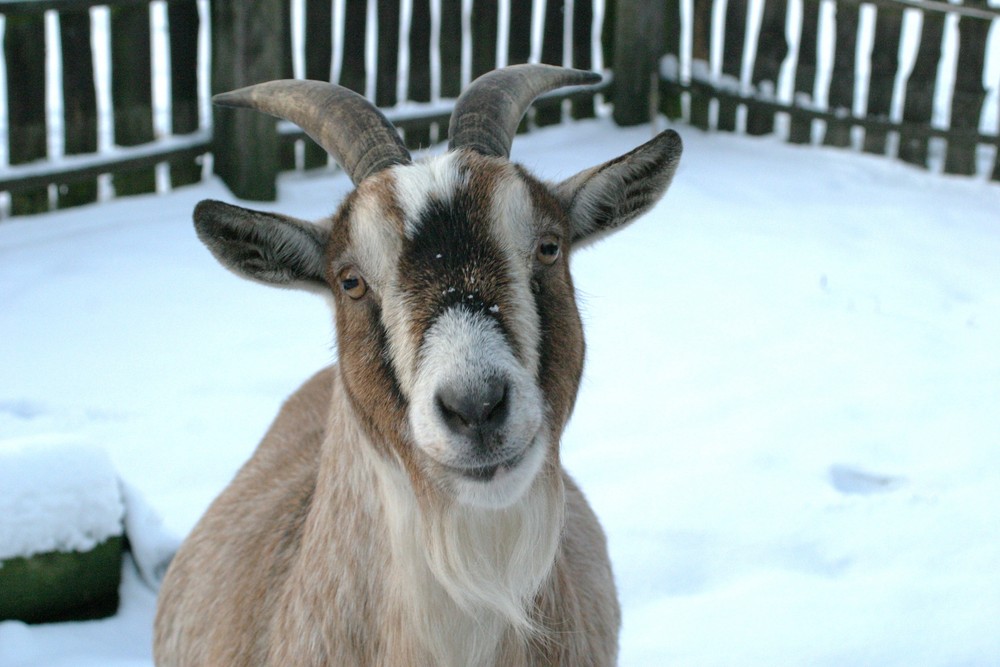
<point x="451" y="292"/>
<point x="460" y="343"/>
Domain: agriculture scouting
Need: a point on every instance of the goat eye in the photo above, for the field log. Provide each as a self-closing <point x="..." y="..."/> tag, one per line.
<point x="352" y="283"/>
<point x="548" y="249"/>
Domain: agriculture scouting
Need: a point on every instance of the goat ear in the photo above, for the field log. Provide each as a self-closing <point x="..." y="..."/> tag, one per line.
<point x="607" y="197"/>
<point x="265" y="247"/>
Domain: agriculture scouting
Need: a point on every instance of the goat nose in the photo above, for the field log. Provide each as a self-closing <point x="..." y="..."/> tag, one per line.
<point x="474" y="411"/>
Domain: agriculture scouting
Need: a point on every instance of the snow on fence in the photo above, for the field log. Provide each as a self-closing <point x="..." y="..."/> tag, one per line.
<point x="125" y="103"/>
<point x="913" y="79"/>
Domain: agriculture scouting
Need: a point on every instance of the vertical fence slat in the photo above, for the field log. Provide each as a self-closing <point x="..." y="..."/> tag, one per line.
<point x="246" y="48"/>
<point x="352" y="74"/>
<point x="519" y="44"/>
<point x="552" y="54"/>
<point x="484" y="37"/>
<point x="800" y="126"/>
<point x="184" y="23"/>
<point x="388" y="50"/>
<point x="24" y="50"/>
<point x="919" y="105"/>
<point x="79" y="101"/>
<point x="996" y="163"/>
<point x="670" y="99"/>
<point x="583" y="19"/>
<point x="639" y="41"/>
<point x="701" y="46"/>
<point x="841" y="100"/>
<point x="772" y="47"/>
<point x="420" y="66"/>
<point x="451" y="48"/>
<point x="286" y="70"/>
<point x="732" y="58"/>
<point x="884" y="64"/>
<point x="967" y="101"/>
<point x="318" y="50"/>
<point x="132" y="91"/>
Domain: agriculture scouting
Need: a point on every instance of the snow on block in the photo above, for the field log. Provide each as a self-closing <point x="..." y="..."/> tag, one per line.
<point x="61" y="540"/>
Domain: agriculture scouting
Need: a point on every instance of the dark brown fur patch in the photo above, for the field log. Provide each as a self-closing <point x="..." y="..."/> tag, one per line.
<point x="452" y="261"/>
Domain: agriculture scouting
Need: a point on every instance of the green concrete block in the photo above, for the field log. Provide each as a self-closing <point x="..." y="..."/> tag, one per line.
<point x="62" y="586"/>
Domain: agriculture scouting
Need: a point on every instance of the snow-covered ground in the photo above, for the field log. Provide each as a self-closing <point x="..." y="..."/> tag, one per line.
<point x="788" y="424"/>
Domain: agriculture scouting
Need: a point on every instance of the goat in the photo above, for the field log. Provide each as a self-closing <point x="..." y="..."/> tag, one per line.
<point x="408" y="505"/>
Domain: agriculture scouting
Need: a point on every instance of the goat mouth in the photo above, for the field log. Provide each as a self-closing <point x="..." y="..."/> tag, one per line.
<point x="489" y="472"/>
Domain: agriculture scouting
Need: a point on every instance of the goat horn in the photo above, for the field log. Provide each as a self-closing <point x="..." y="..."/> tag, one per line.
<point x="349" y="127"/>
<point x="487" y="114"/>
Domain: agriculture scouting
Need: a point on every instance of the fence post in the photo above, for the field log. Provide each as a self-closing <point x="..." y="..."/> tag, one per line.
<point x="884" y="63"/>
<point x="800" y="127"/>
<point x="841" y="100"/>
<point x="920" y="86"/>
<point x="484" y="37"/>
<point x="967" y="101"/>
<point x="732" y="58"/>
<point x="352" y="72"/>
<point x="419" y="82"/>
<point x="671" y="100"/>
<point x="451" y="51"/>
<point x="772" y="47"/>
<point x="639" y="40"/>
<point x="388" y="53"/>
<point x="132" y="91"/>
<point x="24" y="51"/>
<point x="552" y="51"/>
<point x="246" y="49"/>
<point x="701" y="46"/>
<point x="318" y="48"/>
<point x="583" y="18"/>
<point x="996" y="164"/>
<point x="184" y="22"/>
<point x="80" y="101"/>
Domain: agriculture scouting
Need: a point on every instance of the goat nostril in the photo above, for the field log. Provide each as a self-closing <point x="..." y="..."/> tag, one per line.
<point x="468" y="410"/>
<point x="496" y="406"/>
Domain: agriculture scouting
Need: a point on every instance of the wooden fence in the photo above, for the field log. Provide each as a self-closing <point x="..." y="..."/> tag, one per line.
<point x="124" y="104"/>
<point x="101" y="98"/>
<point x="411" y="57"/>
<point x="77" y="116"/>
<point x="917" y="80"/>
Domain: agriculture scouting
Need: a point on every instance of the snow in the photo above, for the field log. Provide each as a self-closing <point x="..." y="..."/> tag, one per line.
<point x="787" y="423"/>
<point x="56" y="494"/>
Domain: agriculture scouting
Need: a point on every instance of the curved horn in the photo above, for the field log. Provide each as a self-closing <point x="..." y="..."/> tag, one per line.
<point x="487" y="114"/>
<point x="349" y="127"/>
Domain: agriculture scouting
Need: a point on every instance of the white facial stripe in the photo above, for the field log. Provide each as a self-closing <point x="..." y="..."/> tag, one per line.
<point x="514" y="229"/>
<point x="415" y="185"/>
<point x="398" y="323"/>
<point x="375" y="242"/>
<point x="376" y="246"/>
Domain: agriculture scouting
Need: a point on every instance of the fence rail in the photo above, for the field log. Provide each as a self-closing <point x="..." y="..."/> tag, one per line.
<point x="125" y="104"/>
